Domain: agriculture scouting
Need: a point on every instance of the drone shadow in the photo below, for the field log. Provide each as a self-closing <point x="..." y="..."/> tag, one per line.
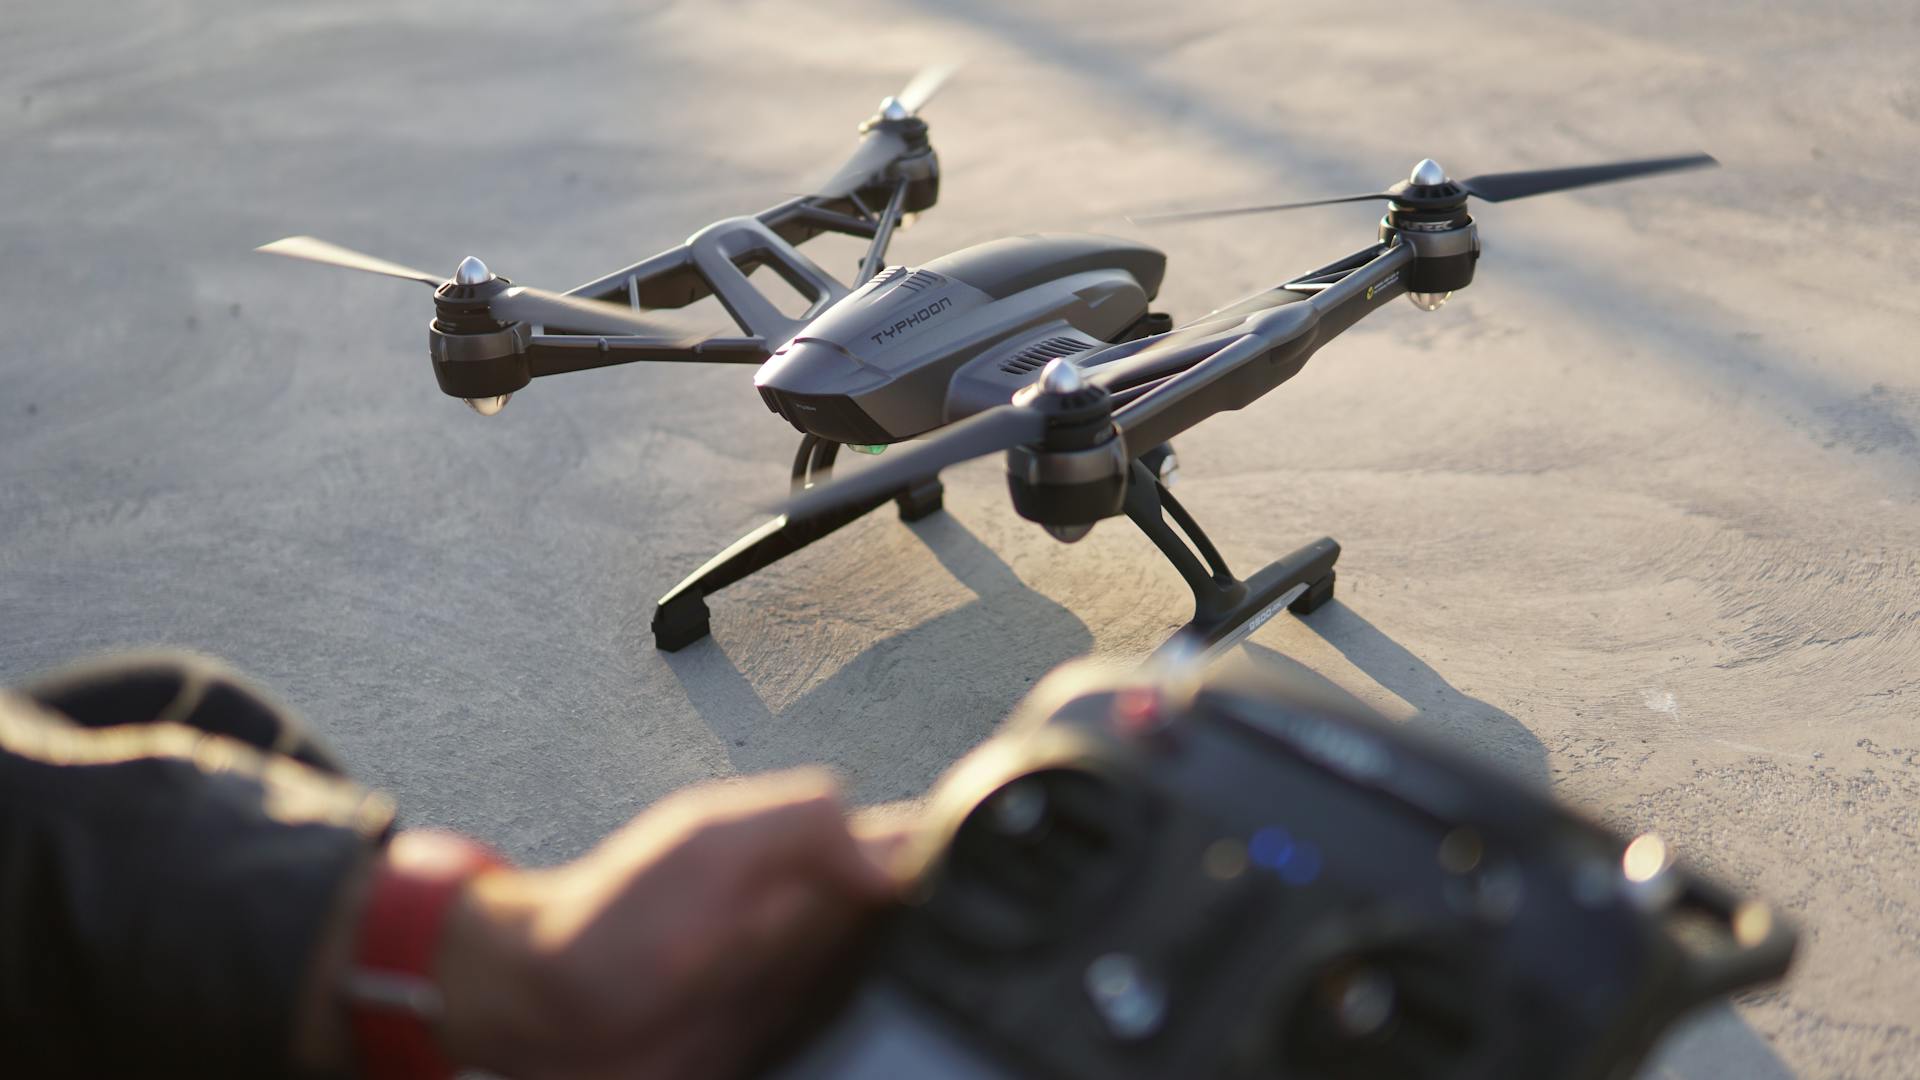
<point x="1489" y="733"/>
<point x="897" y="715"/>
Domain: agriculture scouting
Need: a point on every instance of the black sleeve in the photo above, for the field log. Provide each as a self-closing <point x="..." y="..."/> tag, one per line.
<point x="163" y="887"/>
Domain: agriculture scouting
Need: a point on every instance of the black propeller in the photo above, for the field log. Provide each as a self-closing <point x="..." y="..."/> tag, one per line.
<point x="516" y="303"/>
<point x="1001" y="428"/>
<point x="883" y="142"/>
<point x="1499" y="187"/>
<point x="1060" y="400"/>
<point x="1493" y="187"/>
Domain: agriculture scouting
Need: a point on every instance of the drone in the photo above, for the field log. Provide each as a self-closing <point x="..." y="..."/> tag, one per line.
<point x="1043" y="347"/>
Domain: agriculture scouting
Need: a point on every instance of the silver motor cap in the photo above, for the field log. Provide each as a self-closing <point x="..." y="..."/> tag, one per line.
<point x="472" y="272"/>
<point x="1427" y="174"/>
<point x="1061" y="377"/>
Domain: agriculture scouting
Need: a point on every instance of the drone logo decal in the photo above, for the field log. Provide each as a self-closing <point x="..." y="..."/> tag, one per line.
<point x="914" y="319"/>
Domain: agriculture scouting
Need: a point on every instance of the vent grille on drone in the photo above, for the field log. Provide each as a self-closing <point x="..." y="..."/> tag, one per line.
<point x="880" y="279"/>
<point x="1034" y="357"/>
<point x="922" y="280"/>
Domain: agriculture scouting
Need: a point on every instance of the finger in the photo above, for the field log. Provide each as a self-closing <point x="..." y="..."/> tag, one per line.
<point x="900" y="814"/>
<point x="685" y="815"/>
<point x="884" y="847"/>
<point x="794" y="824"/>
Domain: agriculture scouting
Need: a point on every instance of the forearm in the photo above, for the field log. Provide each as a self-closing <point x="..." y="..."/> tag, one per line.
<point x="170" y="886"/>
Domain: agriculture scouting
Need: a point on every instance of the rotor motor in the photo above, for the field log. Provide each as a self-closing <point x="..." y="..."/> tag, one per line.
<point x="475" y="356"/>
<point x="919" y="167"/>
<point x="1428" y="212"/>
<point x="1077" y="474"/>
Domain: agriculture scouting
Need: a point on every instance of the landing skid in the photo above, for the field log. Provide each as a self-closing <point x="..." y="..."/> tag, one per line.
<point x="682" y="617"/>
<point x="1225" y="608"/>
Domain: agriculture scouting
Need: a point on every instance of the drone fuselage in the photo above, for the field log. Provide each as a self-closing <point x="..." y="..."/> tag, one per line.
<point x="916" y="348"/>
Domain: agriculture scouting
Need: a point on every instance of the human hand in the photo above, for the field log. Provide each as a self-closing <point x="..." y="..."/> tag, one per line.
<point x="678" y="947"/>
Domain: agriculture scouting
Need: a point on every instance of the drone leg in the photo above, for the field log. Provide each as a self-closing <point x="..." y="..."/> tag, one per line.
<point x="682" y="617"/>
<point x="1215" y="589"/>
<point x="921" y="500"/>
<point x="1225" y="609"/>
<point x="813" y="462"/>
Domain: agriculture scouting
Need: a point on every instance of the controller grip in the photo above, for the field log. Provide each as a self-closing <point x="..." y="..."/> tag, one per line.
<point x="1751" y="943"/>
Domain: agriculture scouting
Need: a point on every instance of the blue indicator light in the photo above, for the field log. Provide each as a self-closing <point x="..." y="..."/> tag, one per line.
<point x="1271" y="847"/>
<point x="1297" y="862"/>
<point x="1303" y="867"/>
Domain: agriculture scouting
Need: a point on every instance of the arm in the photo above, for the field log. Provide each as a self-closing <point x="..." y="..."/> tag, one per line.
<point x="1245" y="357"/>
<point x="718" y="261"/>
<point x="167" y="885"/>
<point x="685" y="944"/>
<point x="186" y="885"/>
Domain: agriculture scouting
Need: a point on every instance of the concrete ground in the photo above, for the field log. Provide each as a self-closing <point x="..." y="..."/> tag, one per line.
<point x="1635" y="516"/>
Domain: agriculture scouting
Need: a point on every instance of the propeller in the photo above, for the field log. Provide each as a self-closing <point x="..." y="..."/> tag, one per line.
<point x="1493" y="187"/>
<point x="1000" y="428"/>
<point x="921" y="89"/>
<point x="882" y="142"/>
<point x="997" y="429"/>
<point x="515" y="303"/>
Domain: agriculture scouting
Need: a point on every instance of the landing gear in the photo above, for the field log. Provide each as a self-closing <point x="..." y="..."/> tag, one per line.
<point x="1225" y="608"/>
<point x="813" y="462"/>
<point x="1161" y="462"/>
<point x="1315" y="597"/>
<point x="682" y="617"/>
<point x="921" y="500"/>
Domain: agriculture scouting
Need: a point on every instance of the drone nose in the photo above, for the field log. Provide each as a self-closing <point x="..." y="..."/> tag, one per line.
<point x="472" y="272"/>
<point x="1428" y="174"/>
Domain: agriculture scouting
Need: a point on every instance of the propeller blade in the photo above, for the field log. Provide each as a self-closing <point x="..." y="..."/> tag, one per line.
<point x="1498" y="187"/>
<point x="878" y="149"/>
<point x="1001" y="428"/>
<point x="320" y="251"/>
<point x="1200" y="215"/>
<point x="522" y="304"/>
<point x="924" y="86"/>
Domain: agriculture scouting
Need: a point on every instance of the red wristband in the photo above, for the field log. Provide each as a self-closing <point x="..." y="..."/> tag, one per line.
<point x="393" y="1003"/>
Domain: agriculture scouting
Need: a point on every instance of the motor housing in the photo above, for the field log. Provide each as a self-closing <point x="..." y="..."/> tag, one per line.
<point x="1077" y="475"/>
<point x="1431" y="218"/>
<point x="475" y="355"/>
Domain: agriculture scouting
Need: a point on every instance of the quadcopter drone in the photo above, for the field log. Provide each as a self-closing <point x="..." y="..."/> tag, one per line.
<point x="1042" y="347"/>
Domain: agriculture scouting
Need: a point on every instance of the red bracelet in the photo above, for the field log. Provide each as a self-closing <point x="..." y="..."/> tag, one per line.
<point x="393" y="1003"/>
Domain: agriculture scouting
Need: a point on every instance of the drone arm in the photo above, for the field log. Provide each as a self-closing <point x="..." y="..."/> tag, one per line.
<point x="876" y="257"/>
<point x="717" y="261"/>
<point x="800" y="220"/>
<point x="1258" y="353"/>
<point x="555" y="354"/>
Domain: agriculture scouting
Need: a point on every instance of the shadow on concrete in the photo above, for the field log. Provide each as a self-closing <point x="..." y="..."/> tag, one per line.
<point x="1484" y="731"/>
<point x="896" y="716"/>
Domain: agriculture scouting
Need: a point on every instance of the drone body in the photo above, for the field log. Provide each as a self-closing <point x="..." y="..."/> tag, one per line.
<point x="1042" y="347"/>
<point x="913" y="349"/>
